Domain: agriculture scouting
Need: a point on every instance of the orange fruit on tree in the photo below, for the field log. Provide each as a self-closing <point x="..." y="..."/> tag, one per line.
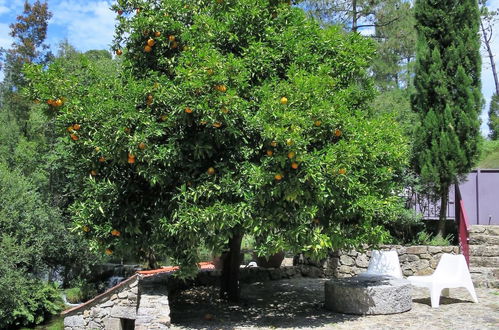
<point x="289" y="142"/>
<point x="284" y="100"/>
<point x="76" y="127"/>
<point x="210" y="71"/>
<point x="131" y="158"/>
<point x="109" y="252"/>
<point x="102" y="159"/>
<point x="337" y="132"/>
<point x="119" y="52"/>
<point x="210" y="171"/>
<point x="50" y="102"/>
<point x="86" y="228"/>
<point x="57" y="102"/>
<point x="115" y="232"/>
<point x="93" y="173"/>
<point x="97" y="149"/>
<point x="203" y="122"/>
<point x="342" y="170"/>
<point x="273" y="144"/>
<point x="278" y="176"/>
<point x="291" y="154"/>
<point x="151" y="42"/>
<point x="142" y="145"/>
<point x="294" y="165"/>
<point x="171" y="37"/>
<point x="147" y="48"/>
<point x="157" y="34"/>
<point x="270" y="153"/>
<point x="70" y="129"/>
<point x="317" y="123"/>
<point x="74" y="137"/>
<point x="188" y="110"/>
<point x="217" y="124"/>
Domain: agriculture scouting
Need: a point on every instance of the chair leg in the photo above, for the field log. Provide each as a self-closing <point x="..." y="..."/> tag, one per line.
<point x="435" y="297"/>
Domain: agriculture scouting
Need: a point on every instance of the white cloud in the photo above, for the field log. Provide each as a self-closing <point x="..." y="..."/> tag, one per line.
<point x="88" y="26"/>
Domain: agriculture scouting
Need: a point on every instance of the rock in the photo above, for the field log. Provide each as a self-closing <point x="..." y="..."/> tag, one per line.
<point x="346" y="260"/>
<point x="362" y="261"/>
<point x="368" y="295"/>
<point x="408" y="258"/>
<point x="416" y="249"/>
<point x="74" y="321"/>
<point x="425" y="256"/>
<point x="123" y="294"/>
<point x="422" y="264"/>
<point x="434" y="249"/>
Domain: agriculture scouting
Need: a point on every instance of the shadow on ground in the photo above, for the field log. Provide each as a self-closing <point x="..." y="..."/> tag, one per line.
<point x="294" y="303"/>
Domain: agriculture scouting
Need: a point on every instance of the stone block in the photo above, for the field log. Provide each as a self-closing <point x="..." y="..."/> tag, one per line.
<point x="122" y="294"/>
<point x="347" y="260"/>
<point x="425" y="256"/>
<point x="406" y="258"/>
<point x="434" y="249"/>
<point x="448" y="249"/>
<point x="362" y="261"/>
<point x="368" y="296"/>
<point x="109" y="303"/>
<point x="112" y="323"/>
<point x="74" y="321"/>
<point x="422" y="264"/>
<point x="123" y="312"/>
<point x="94" y="326"/>
<point x="114" y="297"/>
<point x="417" y="249"/>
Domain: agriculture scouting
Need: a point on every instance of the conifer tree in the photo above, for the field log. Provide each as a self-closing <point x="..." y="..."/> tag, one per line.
<point x="447" y="93"/>
<point x="494" y="117"/>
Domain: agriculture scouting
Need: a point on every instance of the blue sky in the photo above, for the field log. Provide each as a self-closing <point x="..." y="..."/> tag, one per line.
<point x="89" y="24"/>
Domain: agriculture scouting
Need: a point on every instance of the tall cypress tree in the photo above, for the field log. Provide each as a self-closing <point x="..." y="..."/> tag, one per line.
<point x="494" y="117"/>
<point x="447" y="93"/>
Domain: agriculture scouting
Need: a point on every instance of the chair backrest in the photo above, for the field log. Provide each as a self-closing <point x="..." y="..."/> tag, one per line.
<point x="384" y="263"/>
<point x="451" y="266"/>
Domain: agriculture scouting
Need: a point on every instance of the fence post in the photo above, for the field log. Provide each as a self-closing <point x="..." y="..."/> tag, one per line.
<point x="477" y="197"/>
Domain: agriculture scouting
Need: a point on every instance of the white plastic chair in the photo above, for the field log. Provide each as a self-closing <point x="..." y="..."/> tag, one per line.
<point x="452" y="272"/>
<point x="383" y="263"/>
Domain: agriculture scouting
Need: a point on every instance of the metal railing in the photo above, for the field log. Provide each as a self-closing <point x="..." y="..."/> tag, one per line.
<point x="463" y="226"/>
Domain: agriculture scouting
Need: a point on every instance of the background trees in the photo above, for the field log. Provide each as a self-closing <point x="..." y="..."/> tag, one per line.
<point x="229" y="118"/>
<point x="447" y="93"/>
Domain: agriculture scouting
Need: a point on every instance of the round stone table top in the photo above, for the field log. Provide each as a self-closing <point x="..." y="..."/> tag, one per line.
<point x="368" y="295"/>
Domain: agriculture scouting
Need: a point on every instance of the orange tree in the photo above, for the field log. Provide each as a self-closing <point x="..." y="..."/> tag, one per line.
<point x="228" y="117"/>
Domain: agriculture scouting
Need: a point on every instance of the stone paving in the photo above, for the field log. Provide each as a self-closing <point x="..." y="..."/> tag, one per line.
<point x="298" y="303"/>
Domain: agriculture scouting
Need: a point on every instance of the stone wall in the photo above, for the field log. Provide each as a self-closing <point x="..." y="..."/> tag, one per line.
<point x="414" y="260"/>
<point x="130" y="302"/>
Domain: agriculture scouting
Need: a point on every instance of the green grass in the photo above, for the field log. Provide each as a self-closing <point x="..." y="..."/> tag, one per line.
<point x="56" y="323"/>
<point x="489" y="157"/>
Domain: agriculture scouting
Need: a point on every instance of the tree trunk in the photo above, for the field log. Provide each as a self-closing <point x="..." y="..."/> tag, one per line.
<point x="152" y="262"/>
<point x="442" y="218"/>
<point x="229" y="286"/>
<point x="486" y="41"/>
<point x="354" y="15"/>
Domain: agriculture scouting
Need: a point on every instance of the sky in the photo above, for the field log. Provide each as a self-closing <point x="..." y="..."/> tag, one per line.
<point x="89" y="24"/>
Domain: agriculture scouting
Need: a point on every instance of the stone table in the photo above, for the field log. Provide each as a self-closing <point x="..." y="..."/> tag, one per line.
<point x="368" y="295"/>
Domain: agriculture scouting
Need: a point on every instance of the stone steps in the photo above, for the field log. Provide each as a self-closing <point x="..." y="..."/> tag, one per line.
<point x="484" y="255"/>
<point x="153" y="311"/>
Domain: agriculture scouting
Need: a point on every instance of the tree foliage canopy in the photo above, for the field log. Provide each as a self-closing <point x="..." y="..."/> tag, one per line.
<point x="228" y="116"/>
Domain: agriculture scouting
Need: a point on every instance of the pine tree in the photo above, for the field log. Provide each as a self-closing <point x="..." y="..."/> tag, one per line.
<point x="447" y="93"/>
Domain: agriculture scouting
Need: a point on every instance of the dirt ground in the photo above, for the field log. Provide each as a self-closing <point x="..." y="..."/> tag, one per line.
<point x="299" y="304"/>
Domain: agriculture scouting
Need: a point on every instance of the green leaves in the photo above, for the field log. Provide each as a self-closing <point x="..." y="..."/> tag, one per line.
<point x="256" y="120"/>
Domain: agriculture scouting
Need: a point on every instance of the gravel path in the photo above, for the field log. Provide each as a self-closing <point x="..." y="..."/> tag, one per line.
<point x="298" y="304"/>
